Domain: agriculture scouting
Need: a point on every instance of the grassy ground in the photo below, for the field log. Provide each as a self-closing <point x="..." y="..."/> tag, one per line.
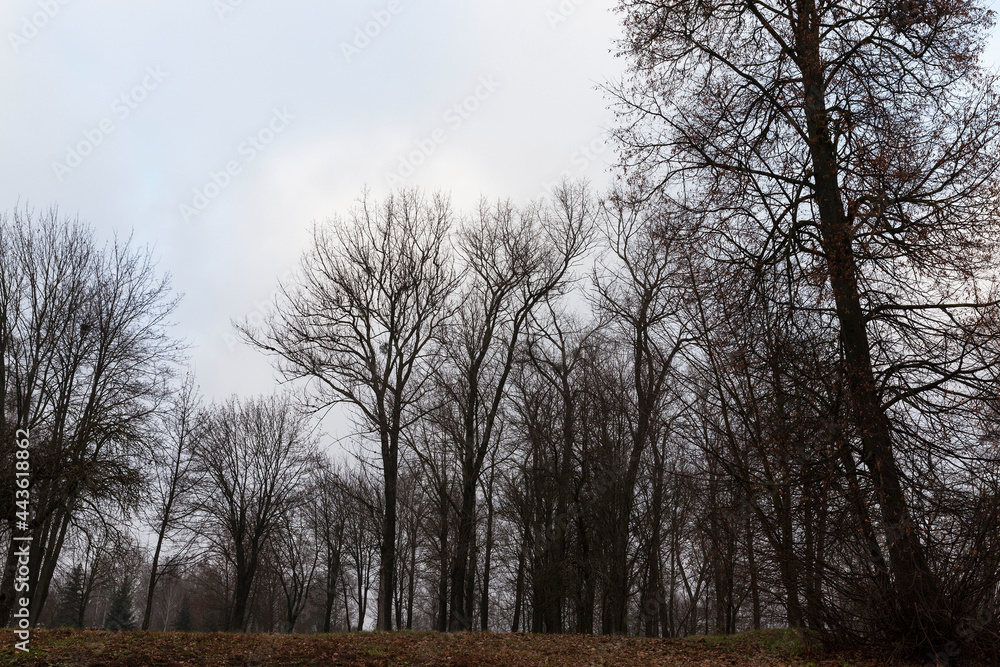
<point x="770" y="648"/>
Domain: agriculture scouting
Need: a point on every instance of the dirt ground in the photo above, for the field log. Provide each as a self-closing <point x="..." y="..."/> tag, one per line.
<point x="771" y="649"/>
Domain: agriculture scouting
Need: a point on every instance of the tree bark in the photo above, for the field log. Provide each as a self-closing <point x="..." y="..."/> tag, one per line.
<point x="515" y="625"/>
<point x="387" y="551"/>
<point x="442" y="619"/>
<point x="484" y="610"/>
<point x="153" y="576"/>
<point x="916" y="588"/>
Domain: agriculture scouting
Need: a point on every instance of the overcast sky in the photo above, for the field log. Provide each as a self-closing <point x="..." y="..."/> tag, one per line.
<point x="278" y="114"/>
<point x="217" y="131"/>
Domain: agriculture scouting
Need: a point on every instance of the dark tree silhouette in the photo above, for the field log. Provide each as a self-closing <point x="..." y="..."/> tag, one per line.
<point x="121" y="615"/>
<point x="376" y="288"/>
<point x="860" y="139"/>
<point x="253" y="459"/>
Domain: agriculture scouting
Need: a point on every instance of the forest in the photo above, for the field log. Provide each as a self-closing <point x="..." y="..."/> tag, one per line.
<point x="753" y="384"/>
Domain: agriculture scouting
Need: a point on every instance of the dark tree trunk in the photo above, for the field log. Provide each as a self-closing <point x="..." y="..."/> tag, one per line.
<point x="653" y="589"/>
<point x="878" y="563"/>
<point x="484" y="609"/>
<point x="330" y="601"/>
<point x="915" y="585"/>
<point x="470" y="581"/>
<point x="515" y="625"/>
<point x="614" y="610"/>
<point x="46" y="561"/>
<point x="153" y="576"/>
<point x="241" y="598"/>
<point x="411" y="584"/>
<point x="387" y="549"/>
<point x="7" y="582"/>
<point x="588" y="592"/>
<point x="444" y="502"/>
<point x="752" y="567"/>
<point x="460" y="614"/>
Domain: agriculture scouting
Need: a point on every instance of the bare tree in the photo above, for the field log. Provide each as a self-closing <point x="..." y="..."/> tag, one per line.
<point x="85" y="365"/>
<point x="253" y="457"/>
<point x="376" y="289"/>
<point x="174" y="479"/>
<point x="433" y="451"/>
<point x="861" y="138"/>
<point x="515" y="258"/>
<point x="362" y="535"/>
<point x="547" y="397"/>
<point x="297" y="556"/>
<point x="638" y="295"/>
<point x="329" y="516"/>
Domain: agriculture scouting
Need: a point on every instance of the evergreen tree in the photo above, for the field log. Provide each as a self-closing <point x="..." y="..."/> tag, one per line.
<point x="71" y="599"/>
<point x="121" y="615"/>
<point x="185" y="621"/>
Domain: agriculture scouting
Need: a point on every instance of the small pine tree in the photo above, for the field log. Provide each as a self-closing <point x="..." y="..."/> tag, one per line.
<point x="185" y="621"/>
<point x="120" y="614"/>
<point x="70" y="612"/>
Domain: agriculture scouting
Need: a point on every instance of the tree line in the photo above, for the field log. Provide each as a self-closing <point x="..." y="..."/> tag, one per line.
<point x="754" y="384"/>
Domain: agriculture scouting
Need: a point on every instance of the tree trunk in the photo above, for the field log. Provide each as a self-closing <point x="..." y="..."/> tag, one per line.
<point x="916" y="588"/>
<point x="515" y="625"/>
<point x="652" y="591"/>
<point x="347" y="606"/>
<point x="470" y="580"/>
<point x="787" y="563"/>
<point x="484" y="610"/>
<point x="461" y="616"/>
<point x="588" y="593"/>
<point x="671" y="623"/>
<point x="330" y="601"/>
<point x="752" y="567"/>
<point x="878" y="563"/>
<point x="241" y="597"/>
<point x="444" y="502"/>
<point x="615" y="607"/>
<point x="46" y="563"/>
<point x="411" y="584"/>
<point x="153" y="576"/>
<point x="387" y="550"/>
<point x="7" y="584"/>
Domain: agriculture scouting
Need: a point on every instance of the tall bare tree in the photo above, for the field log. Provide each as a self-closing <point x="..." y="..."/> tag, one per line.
<point x="174" y="479"/>
<point x="864" y="138"/>
<point x="329" y="518"/>
<point x="514" y="259"/>
<point x="254" y="456"/>
<point x="297" y="552"/>
<point x="85" y="364"/>
<point x="637" y="294"/>
<point x="376" y="288"/>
